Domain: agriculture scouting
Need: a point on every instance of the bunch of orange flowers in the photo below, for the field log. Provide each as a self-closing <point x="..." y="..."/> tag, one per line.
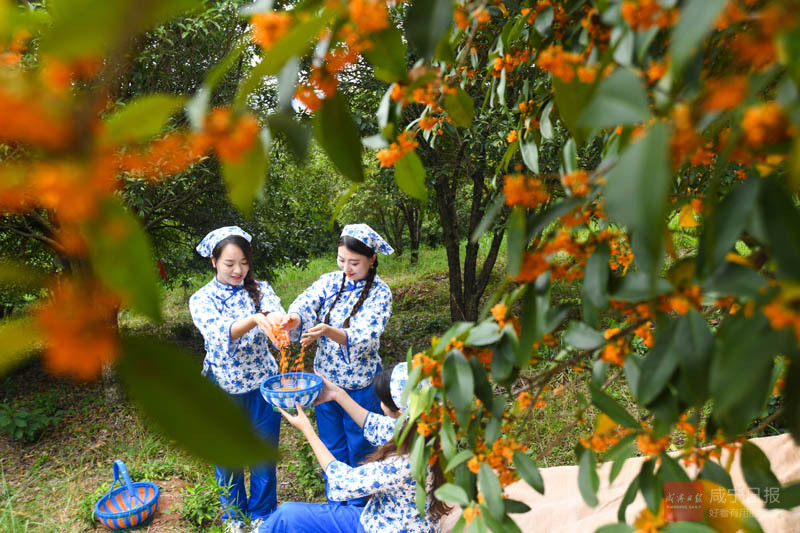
<point x="229" y="134"/>
<point x="500" y="458"/>
<point x="269" y="28"/>
<point x="402" y="145"/>
<point x="682" y="300"/>
<point x="606" y="434"/>
<point x="79" y="324"/>
<point x="765" y="124"/>
<point x="645" y="14"/>
<point x="525" y="190"/>
<point x="615" y="350"/>
<point x="560" y="63"/>
<point x="167" y="156"/>
<point x="649" y="444"/>
<point x="510" y="61"/>
<point x="784" y="312"/>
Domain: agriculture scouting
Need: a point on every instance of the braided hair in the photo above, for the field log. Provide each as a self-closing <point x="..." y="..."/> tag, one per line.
<point x="250" y="283"/>
<point x="354" y="245"/>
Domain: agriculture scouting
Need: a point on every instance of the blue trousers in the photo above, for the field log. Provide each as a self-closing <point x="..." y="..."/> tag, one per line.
<point x="263" y="483"/>
<point x="296" y="517"/>
<point x="342" y="436"/>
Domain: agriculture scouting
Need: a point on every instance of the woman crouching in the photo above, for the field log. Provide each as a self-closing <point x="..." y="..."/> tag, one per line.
<point x="385" y="478"/>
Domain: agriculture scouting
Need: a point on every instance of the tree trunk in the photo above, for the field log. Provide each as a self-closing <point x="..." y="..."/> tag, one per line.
<point x="466" y="291"/>
<point x="413" y="216"/>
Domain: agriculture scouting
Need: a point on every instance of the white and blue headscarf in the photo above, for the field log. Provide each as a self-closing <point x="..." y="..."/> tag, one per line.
<point x="208" y="243"/>
<point x="368" y="236"/>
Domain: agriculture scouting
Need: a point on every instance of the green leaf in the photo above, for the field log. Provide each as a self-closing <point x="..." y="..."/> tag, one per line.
<point x="582" y="337"/>
<point x="515" y="507"/>
<point x="740" y="381"/>
<point x="723" y="227"/>
<point x="338" y="134"/>
<point x="596" y="274"/>
<point x="452" y="493"/>
<point x="141" y="119"/>
<point x="712" y="471"/>
<point x="490" y="488"/>
<point x="197" y="107"/>
<point x="516" y="242"/>
<point x="588" y="481"/>
<point x="93" y="28"/>
<point x="782" y="221"/>
<point x="410" y="176"/>
<point x="670" y="469"/>
<point x="245" y="178"/>
<point x="695" y="23"/>
<point x="483" y="334"/>
<point x="528" y="471"/>
<point x="460" y="107"/>
<point x="571" y="99"/>
<point x="426" y="23"/>
<point x="620" y="99"/>
<point x="459" y="458"/>
<point x="609" y="406"/>
<point x="688" y="527"/>
<point x="18" y="339"/>
<point x="447" y="439"/>
<point x="388" y="55"/>
<point x="418" y="458"/>
<point x="458" y="381"/>
<point x="121" y="256"/>
<point x="652" y="488"/>
<point x="533" y="320"/>
<point x="731" y="278"/>
<point x="296" y="43"/>
<point x="618" y="454"/>
<point x="659" y="364"/>
<point x="643" y="173"/>
<point x="788" y="498"/>
<point x="530" y="154"/>
<point x="296" y="135"/>
<point x="165" y="382"/>
<point x="757" y="471"/>
<point x="693" y="342"/>
<point x="616" y="528"/>
<point x="627" y="499"/>
<point x="504" y="359"/>
<point x="484" y="390"/>
<point x="488" y="218"/>
<point x="638" y="286"/>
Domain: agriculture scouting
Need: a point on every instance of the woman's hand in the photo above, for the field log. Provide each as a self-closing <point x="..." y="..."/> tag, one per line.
<point x="290" y="322"/>
<point x="329" y="392"/>
<point x="299" y="420"/>
<point x="313" y="334"/>
<point x="266" y="325"/>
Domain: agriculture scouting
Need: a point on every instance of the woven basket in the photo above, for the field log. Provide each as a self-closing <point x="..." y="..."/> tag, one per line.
<point x="130" y="504"/>
<point x="284" y="390"/>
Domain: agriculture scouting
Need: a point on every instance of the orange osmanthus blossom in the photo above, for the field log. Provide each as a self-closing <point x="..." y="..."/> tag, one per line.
<point x="269" y="28"/>
<point x="79" y="325"/>
<point x="402" y="145"/>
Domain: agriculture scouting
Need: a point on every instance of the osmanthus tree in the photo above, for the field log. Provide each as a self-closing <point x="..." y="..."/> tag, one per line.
<point x="681" y="111"/>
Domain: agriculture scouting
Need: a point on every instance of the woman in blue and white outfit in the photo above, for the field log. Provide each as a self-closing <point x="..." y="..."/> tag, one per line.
<point x="385" y="478"/>
<point x="235" y="314"/>
<point x="346" y="312"/>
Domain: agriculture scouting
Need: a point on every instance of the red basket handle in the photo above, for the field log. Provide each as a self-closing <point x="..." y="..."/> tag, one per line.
<point x="121" y="475"/>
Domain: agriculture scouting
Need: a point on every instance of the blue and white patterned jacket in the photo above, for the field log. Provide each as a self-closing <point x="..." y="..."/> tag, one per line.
<point x="392" y="507"/>
<point x="238" y="366"/>
<point x="354" y="365"/>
